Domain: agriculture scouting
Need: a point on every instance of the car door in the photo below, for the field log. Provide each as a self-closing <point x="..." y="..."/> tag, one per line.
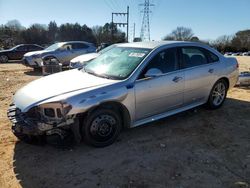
<point x="65" y="53"/>
<point x="20" y="51"/>
<point x="162" y="93"/>
<point x="80" y="49"/>
<point x="200" y="72"/>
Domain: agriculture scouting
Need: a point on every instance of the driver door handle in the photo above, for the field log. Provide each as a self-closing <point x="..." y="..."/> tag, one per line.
<point x="177" y="79"/>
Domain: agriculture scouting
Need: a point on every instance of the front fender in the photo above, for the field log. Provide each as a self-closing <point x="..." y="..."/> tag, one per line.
<point x="82" y="104"/>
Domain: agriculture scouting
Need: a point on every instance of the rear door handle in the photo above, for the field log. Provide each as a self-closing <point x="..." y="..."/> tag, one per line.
<point x="177" y="79"/>
<point x="211" y="71"/>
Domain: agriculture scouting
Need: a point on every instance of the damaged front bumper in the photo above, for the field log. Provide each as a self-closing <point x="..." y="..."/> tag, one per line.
<point x="23" y="124"/>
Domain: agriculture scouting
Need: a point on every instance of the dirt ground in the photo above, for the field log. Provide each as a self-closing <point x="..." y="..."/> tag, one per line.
<point x="198" y="148"/>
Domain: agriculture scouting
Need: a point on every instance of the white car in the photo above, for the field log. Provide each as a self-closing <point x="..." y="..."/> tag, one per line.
<point x="246" y="54"/>
<point x="228" y="54"/>
<point x="80" y="61"/>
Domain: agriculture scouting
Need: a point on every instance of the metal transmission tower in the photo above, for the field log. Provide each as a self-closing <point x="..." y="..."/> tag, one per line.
<point x="145" y="27"/>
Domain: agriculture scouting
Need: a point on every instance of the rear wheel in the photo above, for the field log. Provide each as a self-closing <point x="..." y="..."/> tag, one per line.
<point x="4" y="59"/>
<point x="102" y="127"/>
<point x="218" y="94"/>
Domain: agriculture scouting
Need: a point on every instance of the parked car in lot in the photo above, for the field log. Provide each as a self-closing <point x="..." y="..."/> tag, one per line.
<point x="129" y="85"/>
<point x="17" y="52"/>
<point x="246" y="54"/>
<point x="236" y="54"/>
<point x="102" y="46"/>
<point x="62" y="51"/>
<point x="228" y="53"/>
<point x="80" y="61"/>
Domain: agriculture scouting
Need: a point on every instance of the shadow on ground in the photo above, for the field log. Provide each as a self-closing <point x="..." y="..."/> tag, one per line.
<point x="35" y="72"/>
<point x="197" y="148"/>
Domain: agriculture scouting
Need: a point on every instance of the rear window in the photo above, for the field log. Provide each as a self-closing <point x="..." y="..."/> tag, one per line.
<point x="79" y="46"/>
<point x="193" y="56"/>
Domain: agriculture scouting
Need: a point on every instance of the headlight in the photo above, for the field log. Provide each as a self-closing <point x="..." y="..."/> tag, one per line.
<point x="55" y="109"/>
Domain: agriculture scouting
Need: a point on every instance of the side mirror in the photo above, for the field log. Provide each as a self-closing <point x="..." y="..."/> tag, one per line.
<point x="153" y="72"/>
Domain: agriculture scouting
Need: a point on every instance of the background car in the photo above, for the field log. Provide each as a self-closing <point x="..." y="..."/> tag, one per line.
<point x="17" y="52"/>
<point x="80" y="61"/>
<point x="236" y="54"/>
<point x="246" y="54"/>
<point x="62" y="51"/>
<point x="102" y="46"/>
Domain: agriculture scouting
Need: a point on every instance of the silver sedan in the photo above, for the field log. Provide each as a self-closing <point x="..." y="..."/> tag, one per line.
<point x="129" y="85"/>
<point x="63" y="52"/>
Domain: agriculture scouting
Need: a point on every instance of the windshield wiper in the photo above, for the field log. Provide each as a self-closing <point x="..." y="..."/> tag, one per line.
<point x="95" y="74"/>
<point x="102" y="75"/>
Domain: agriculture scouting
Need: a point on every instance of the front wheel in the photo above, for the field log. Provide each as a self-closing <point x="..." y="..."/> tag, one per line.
<point x="102" y="127"/>
<point x="4" y="59"/>
<point x="217" y="95"/>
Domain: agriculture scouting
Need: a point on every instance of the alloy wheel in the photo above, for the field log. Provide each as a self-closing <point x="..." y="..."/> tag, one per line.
<point x="219" y="93"/>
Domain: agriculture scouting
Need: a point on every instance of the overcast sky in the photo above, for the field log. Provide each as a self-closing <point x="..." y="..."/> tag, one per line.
<point x="209" y="19"/>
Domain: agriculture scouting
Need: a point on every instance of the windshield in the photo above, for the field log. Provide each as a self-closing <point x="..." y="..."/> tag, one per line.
<point x="15" y="47"/>
<point x="54" y="46"/>
<point x="106" y="49"/>
<point x="116" y="63"/>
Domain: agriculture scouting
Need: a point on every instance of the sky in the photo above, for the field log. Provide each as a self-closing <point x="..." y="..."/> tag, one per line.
<point x="208" y="19"/>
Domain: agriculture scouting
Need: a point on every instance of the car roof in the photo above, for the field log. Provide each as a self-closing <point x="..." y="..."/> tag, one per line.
<point x="67" y="42"/>
<point x="155" y="44"/>
<point x="28" y="45"/>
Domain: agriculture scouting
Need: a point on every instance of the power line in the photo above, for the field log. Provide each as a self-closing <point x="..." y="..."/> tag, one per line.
<point x="145" y="27"/>
<point x="106" y="2"/>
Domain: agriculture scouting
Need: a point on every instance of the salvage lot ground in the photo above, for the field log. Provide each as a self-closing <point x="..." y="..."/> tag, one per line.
<point x="198" y="148"/>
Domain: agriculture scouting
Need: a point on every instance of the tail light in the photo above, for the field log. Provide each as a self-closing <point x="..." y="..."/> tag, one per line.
<point x="237" y="64"/>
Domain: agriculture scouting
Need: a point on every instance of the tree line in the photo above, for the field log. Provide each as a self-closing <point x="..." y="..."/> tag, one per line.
<point x="239" y="42"/>
<point x="13" y="33"/>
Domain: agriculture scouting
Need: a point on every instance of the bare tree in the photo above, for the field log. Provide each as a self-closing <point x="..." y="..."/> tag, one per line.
<point x="180" y="34"/>
<point x="97" y="32"/>
<point x="223" y="43"/>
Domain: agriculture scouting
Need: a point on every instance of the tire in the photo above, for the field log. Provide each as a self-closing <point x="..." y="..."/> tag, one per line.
<point x="217" y="95"/>
<point x="102" y="127"/>
<point x="4" y="59"/>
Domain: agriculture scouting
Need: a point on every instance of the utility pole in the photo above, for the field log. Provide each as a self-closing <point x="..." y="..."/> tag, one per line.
<point x="145" y="27"/>
<point x="134" y="32"/>
<point x="120" y="23"/>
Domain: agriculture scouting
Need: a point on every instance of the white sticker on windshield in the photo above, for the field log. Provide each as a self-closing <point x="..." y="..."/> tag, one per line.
<point x="134" y="54"/>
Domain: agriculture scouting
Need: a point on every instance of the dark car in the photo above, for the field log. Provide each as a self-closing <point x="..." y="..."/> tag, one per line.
<point x="17" y="52"/>
<point x="102" y="46"/>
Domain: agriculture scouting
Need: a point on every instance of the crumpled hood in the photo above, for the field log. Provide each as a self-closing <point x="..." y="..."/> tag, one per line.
<point x="54" y="85"/>
<point x="85" y="57"/>
<point x="36" y="53"/>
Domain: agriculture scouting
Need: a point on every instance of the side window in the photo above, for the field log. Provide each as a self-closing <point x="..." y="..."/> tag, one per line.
<point x="193" y="56"/>
<point x="79" y="46"/>
<point x="33" y="48"/>
<point x="212" y="57"/>
<point x="67" y="47"/>
<point x="166" y="61"/>
<point x="21" y="48"/>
